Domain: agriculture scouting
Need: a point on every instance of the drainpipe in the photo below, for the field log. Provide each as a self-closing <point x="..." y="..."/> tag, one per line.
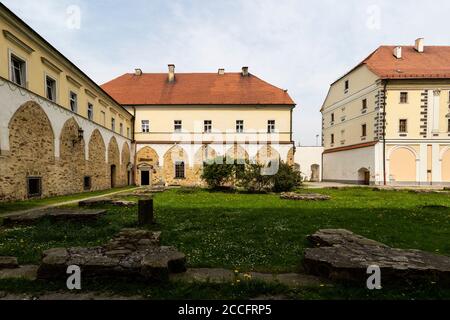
<point x="384" y="131"/>
<point x="135" y="146"/>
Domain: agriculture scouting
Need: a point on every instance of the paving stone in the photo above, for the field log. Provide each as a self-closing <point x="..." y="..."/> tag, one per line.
<point x="131" y="254"/>
<point x="304" y="197"/>
<point x="205" y="275"/>
<point x="292" y="280"/>
<point x="104" y="202"/>
<point x="56" y="214"/>
<point x="22" y="272"/>
<point x="343" y="255"/>
<point x="8" y="263"/>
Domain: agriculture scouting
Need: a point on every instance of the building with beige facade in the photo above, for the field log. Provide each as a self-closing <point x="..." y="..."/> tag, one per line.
<point x="60" y="133"/>
<point x="183" y="120"/>
<point x="387" y="121"/>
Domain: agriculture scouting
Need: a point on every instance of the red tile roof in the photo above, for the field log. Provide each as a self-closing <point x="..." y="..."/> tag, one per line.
<point x="434" y="62"/>
<point x="195" y="88"/>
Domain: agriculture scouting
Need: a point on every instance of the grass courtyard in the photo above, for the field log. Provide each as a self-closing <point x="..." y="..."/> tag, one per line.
<point x="249" y="232"/>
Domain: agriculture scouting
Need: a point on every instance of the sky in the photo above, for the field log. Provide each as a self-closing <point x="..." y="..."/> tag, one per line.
<point x="301" y="46"/>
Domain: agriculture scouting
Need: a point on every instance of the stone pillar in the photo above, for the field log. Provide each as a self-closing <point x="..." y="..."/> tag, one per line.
<point x="145" y="213"/>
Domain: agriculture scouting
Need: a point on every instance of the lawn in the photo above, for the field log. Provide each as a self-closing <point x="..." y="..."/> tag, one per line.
<point x="248" y="232"/>
<point x="7" y="207"/>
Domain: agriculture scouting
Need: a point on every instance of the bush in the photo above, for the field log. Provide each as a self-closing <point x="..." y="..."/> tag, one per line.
<point x="250" y="177"/>
<point x="252" y="180"/>
<point x="218" y="174"/>
<point x="286" y="179"/>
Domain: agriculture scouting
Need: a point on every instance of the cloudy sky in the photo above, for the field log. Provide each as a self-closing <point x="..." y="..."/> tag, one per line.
<point x="297" y="45"/>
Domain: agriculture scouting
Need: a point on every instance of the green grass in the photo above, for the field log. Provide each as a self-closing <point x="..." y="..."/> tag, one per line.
<point x="261" y="232"/>
<point x="6" y="207"/>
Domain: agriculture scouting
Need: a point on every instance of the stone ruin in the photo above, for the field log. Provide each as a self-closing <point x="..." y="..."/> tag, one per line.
<point x="304" y="197"/>
<point x="344" y="256"/>
<point x="132" y="254"/>
<point x="54" y="215"/>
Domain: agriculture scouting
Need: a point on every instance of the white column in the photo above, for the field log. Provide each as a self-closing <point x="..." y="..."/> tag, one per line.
<point x="422" y="163"/>
<point x="436" y="107"/>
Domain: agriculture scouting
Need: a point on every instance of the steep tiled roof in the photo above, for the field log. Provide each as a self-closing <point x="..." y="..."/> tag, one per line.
<point x="434" y="62"/>
<point x="195" y="88"/>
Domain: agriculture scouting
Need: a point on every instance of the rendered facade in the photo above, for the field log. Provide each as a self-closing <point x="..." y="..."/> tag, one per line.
<point x="185" y="119"/>
<point x="387" y="121"/>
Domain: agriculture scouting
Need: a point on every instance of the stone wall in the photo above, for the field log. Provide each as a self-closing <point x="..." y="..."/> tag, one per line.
<point x="32" y="144"/>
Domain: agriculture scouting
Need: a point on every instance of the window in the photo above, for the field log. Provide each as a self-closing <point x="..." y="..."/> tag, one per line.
<point x="403" y="97"/>
<point x="145" y="126"/>
<point x="239" y="126"/>
<point x="113" y="124"/>
<point x="18" y="71"/>
<point x="87" y="183"/>
<point x="364" y="104"/>
<point x="332" y="117"/>
<point x="403" y="126"/>
<point x="178" y="125"/>
<point x="346" y="85"/>
<point x="121" y="129"/>
<point x="179" y="170"/>
<point x="364" y="130"/>
<point x="34" y="186"/>
<point x="90" y="111"/>
<point x="271" y="126"/>
<point x="448" y="125"/>
<point x="332" y="138"/>
<point x="128" y="133"/>
<point x="50" y="88"/>
<point x="73" y="99"/>
<point x="207" y="126"/>
<point x="103" y="114"/>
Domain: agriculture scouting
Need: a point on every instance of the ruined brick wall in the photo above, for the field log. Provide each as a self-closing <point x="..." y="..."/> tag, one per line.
<point x="71" y="167"/>
<point x="114" y="163"/>
<point x="32" y="144"/>
<point x="96" y="167"/>
<point x="32" y="153"/>
<point x="291" y="157"/>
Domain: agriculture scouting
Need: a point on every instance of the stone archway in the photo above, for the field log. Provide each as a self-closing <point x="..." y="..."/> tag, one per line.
<point x="114" y="162"/>
<point x="32" y="154"/>
<point x="205" y="154"/>
<point x="125" y="165"/>
<point x="147" y="159"/>
<point x="97" y="162"/>
<point x="72" y="158"/>
<point x="237" y="153"/>
<point x="176" y="167"/>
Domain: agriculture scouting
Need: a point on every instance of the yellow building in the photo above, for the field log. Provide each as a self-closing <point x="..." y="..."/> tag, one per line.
<point x="185" y="119"/>
<point x="387" y="121"/>
<point x="60" y="133"/>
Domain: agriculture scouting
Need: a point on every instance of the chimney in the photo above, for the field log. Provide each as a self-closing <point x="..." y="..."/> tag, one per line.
<point x="420" y="45"/>
<point x="171" y="77"/>
<point x="398" y="52"/>
<point x="245" y="71"/>
<point x="138" y="72"/>
<point x="221" y="72"/>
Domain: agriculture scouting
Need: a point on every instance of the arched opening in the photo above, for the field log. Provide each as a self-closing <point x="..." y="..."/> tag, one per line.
<point x="113" y="176"/>
<point x="446" y="167"/>
<point x="315" y="173"/>
<point x="97" y="168"/>
<point x="148" y="166"/>
<point x="403" y="166"/>
<point x="364" y="176"/>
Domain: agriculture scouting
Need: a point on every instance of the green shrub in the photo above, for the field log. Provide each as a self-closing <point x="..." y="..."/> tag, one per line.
<point x="218" y="174"/>
<point x="286" y="179"/>
<point x="252" y="180"/>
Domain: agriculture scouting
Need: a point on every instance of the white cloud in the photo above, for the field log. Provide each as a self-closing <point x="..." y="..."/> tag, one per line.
<point x="302" y="46"/>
